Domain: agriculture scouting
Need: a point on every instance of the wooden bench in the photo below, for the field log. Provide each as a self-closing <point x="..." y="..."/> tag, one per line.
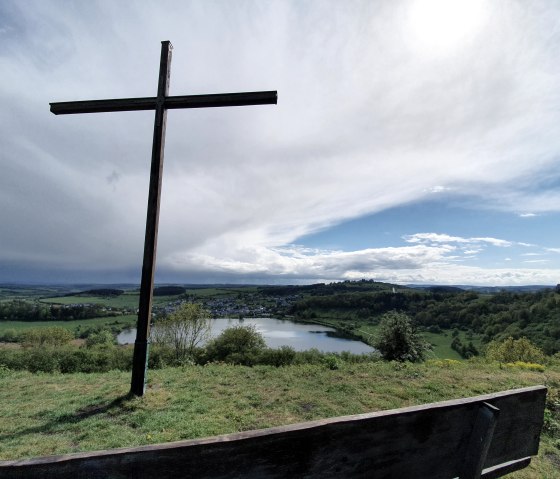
<point x="485" y="436"/>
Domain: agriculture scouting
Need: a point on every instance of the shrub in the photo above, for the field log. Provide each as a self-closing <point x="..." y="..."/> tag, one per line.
<point x="237" y="345"/>
<point x="283" y="356"/>
<point x="511" y="350"/>
<point x="42" y="360"/>
<point x="551" y="423"/>
<point x="101" y="338"/>
<point x="161" y="356"/>
<point x="50" y="336"/>
<point x="309" y="356"/>
<point x="183" y="330"/>
<point x="398" y="340"/>
<point x="13" y="358"/>
<point x="68" y="359"/>
<point x="443" y="363"/>
<point x="10" y="336"/>
<point x="332" y="362"/>
<point x="524" y="365"/>
<point x="4" y="371"/>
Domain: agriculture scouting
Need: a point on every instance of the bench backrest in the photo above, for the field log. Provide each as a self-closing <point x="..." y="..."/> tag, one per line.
<point x="493" y="434"/>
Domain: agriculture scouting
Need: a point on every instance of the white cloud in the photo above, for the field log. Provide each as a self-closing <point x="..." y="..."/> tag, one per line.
<point x="298" y="262"/>
<point x="427" y="238"/>
<point x="365" y="122"/>
<point x="438" y="189"/>
<point x="407" y="264"/>
<point x="494" y="242"/>
<point x="434" y="238"/>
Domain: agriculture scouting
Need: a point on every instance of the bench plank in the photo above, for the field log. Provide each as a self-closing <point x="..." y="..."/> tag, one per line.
<point x="427" y="441"/>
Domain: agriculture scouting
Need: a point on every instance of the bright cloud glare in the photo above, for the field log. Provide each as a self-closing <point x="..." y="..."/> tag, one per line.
<point x="440" y="25"/>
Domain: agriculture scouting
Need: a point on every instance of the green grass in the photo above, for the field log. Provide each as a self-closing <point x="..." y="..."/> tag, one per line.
<point x="127" y="300"/>
<point x="46" y="414"/>
<point x="126" y="321"/>
<point x="442" y="344"/>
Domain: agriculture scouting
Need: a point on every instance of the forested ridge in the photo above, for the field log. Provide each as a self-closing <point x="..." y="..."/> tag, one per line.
<point x="493" y="316"/>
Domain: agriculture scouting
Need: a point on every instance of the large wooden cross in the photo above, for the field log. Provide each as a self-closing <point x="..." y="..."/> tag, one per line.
<point x="160" y="104"/>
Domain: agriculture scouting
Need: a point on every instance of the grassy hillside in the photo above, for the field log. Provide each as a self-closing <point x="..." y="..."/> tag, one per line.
<point x="77" y="412"/>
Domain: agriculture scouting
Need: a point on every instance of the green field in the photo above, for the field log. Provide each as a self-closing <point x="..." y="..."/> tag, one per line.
<point x="206" y="293"/>
<point x="28" y="292"/>
<point x="54" y="414"/>
<point x="124" y="321"/>
<point x="442" y="344"/>
<point x="128" y="300"/>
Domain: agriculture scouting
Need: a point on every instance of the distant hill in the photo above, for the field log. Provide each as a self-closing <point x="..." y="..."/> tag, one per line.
<point x="513" y="289"/>
<point x="102" y="292"/>
<point x="169" y="290"/>
<point x="491" y="313"/>
<point x="326" y="289"/>
<point x="531" y="288"/>
<point x="444" y="289"/>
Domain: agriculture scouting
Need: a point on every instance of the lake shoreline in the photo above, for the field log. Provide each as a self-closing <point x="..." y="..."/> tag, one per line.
<point x="302" y="336"/>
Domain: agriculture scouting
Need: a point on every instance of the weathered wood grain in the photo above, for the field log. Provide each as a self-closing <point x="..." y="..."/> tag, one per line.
<point x="428" y="441"/>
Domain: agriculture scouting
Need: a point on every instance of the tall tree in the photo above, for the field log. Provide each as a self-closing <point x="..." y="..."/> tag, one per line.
<point x="398" y="340"/>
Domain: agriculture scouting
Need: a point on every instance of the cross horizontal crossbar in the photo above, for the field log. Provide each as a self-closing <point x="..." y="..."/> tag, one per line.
<point x="170" y="102"/>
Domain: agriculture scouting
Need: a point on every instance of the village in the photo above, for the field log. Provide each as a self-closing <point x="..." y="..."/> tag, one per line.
<point x="240" y="306"/>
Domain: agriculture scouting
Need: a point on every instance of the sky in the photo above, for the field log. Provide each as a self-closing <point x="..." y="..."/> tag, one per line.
<point x="414" y="142"/>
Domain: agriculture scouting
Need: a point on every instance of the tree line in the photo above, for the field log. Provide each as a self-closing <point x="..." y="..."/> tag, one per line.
<point x="493" y="316"/>
<point x="20" y="310"/>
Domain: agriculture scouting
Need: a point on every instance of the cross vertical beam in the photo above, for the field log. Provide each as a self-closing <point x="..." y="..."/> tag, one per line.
<point x="141" y="345"/>
<point x="160" y="104"/>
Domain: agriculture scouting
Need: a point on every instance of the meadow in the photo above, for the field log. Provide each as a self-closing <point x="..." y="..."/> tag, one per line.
<point x="81" y="412"/>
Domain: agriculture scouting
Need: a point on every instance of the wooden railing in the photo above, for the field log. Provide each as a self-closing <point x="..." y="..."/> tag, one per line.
<point x="485" y="436"/>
